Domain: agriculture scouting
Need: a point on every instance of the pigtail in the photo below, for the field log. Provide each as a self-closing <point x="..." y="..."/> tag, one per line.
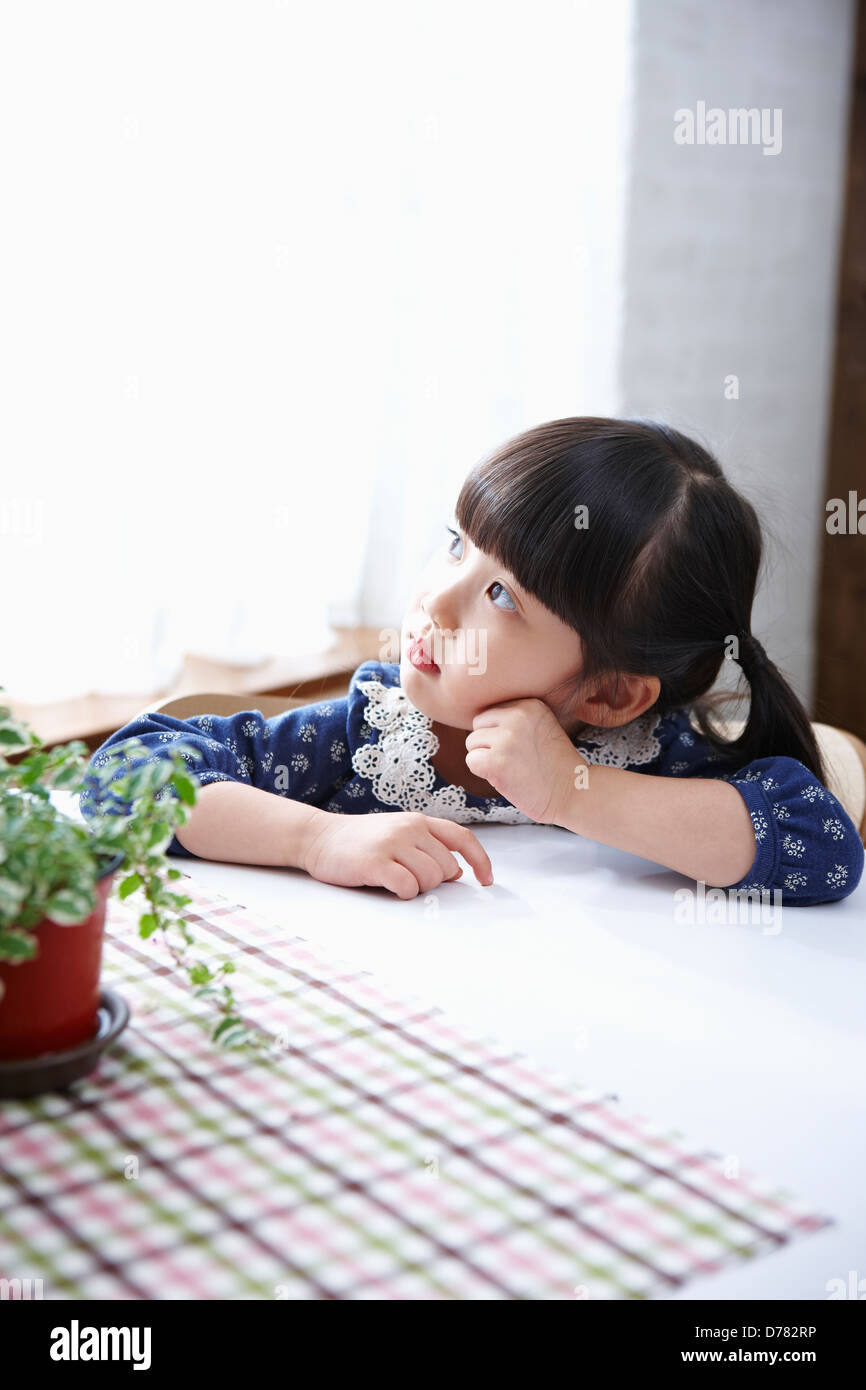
<point x="777" y="723"/>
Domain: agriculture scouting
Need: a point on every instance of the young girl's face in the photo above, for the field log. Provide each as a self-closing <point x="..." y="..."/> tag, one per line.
<point x="491" y="641"/>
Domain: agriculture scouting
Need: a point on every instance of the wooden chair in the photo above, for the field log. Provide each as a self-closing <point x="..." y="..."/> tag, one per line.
<point x="844" y="753"/>
<point x="186" y="706"/>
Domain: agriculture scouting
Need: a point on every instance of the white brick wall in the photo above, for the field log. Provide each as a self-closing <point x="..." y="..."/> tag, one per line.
<point x="731" y="261"/>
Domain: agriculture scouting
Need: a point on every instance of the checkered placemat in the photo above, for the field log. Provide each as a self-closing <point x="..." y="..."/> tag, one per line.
<point x="377" y="1152"/>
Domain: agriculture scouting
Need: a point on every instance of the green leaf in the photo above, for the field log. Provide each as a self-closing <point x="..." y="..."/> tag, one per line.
<point x="11" y="896"/>
<point x="204" y="991"/>
<point x="129" y="885"/>
<point x="14" y="736"/>
<point x="160" y="832"/>
<point x="147" y="924"/>
<point x="233" y="1036"/>
<point x="17" y="945"/>
<point x="34" y="767"/>
<point x="70" y="906"/>
<point x="185" y="787"/>
<point x="68" y="776"/>
<point x="230" y="1022"/>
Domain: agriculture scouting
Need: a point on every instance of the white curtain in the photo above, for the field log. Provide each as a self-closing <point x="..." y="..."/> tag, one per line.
<point x="273" y="277"/>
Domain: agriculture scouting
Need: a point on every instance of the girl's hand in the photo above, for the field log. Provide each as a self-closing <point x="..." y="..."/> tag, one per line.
<point x="521" y="749"/>
<point x="404" y="851"/>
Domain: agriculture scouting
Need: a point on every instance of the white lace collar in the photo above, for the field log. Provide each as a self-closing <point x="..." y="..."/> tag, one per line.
<point x="399" y="764"/>
<point x="400" y="768"/>
<point x="629" y="745"/>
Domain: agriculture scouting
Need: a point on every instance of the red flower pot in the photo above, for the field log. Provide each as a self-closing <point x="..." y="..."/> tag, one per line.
<point x="51" y="1003"/>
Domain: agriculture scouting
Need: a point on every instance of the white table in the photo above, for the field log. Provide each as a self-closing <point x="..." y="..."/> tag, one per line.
<point x="749" y="1037"/>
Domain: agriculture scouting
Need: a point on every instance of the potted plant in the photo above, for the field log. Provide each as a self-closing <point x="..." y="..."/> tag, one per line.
<point x="56" y="877"/>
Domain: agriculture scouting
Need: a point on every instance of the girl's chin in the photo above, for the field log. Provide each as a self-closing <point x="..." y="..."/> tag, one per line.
<point x="421" y="685"/>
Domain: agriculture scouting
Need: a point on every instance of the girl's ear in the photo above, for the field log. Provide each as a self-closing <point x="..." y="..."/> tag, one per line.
<point x="617" y="700"/>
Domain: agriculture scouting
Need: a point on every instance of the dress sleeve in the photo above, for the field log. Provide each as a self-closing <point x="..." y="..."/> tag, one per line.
<point x="806" y="844"/>
<point x="301" y="754"/>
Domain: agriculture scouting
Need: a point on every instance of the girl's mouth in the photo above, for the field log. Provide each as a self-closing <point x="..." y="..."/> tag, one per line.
<point x="419" y="658"/>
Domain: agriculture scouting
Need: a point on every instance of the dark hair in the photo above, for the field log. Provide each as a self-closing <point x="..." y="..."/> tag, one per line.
<point x="662" y="576"/>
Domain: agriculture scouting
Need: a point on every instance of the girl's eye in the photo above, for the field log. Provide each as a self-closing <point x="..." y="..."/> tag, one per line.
<point x="511" y="604"/>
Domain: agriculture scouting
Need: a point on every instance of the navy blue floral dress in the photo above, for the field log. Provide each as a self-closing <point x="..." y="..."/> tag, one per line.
<point x="370" y="751"/>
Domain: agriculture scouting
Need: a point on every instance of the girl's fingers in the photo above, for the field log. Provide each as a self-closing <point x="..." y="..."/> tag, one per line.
<point x="460" y="839"/>
<point x="422" y="865"/>
<point x="448" y="865"/>
<point x="398" y="880"/>
<point x="477" y="739"/>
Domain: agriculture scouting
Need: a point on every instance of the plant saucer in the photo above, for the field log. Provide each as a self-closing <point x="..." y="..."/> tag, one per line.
<point x="53" y="1071"/>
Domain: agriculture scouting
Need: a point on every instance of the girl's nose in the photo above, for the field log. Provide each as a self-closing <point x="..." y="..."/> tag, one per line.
<point x="426" y="610"/>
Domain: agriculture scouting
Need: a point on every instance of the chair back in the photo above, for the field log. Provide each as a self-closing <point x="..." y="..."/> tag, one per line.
<point x="220" y="703"/>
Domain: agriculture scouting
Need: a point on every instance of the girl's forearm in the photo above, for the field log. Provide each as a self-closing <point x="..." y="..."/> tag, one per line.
<point x="699" y="828"/>
<point x="240" y="824"/>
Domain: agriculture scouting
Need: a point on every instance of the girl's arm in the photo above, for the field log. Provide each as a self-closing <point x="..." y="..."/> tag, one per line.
<point x="699" y="828"/>
<point x="240" y="824"/>
<point x="769" y="826"/>
<point x="406" y="853"/>
<point x="300" y="755"/>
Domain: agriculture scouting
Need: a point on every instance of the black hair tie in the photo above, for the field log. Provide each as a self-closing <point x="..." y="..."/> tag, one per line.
<point x="752" y="656"/>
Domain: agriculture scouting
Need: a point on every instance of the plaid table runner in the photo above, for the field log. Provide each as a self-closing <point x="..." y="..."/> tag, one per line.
<point x="377" y="1152"/>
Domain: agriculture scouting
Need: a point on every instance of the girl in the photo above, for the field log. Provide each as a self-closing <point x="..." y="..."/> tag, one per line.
<point x="559" y="648"/>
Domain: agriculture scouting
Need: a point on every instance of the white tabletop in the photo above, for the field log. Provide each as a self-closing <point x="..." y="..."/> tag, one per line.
<point x="750" y="1037"/>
